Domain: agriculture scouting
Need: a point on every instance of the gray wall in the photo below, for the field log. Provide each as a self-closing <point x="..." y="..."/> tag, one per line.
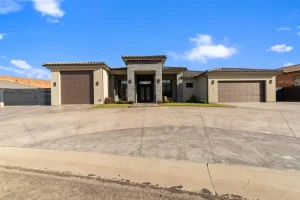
<point x="139" y="66"/>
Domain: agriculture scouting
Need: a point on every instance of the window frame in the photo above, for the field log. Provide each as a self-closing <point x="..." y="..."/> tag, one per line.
<point x="189" y="85"/>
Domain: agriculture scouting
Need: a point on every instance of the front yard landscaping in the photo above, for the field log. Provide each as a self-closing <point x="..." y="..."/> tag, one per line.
<point x="193" y="104"/>
<point x="112" y="106"/>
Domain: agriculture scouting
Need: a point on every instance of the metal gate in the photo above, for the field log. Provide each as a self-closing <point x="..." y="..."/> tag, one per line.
<point x="18" y="97"/>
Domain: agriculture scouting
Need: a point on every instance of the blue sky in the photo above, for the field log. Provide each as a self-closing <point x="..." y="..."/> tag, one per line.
<point x="196" y="34"/>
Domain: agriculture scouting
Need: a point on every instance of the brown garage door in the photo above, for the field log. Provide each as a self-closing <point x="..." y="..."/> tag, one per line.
<point x="77" y="87"/>
<point x="240" y="91"/>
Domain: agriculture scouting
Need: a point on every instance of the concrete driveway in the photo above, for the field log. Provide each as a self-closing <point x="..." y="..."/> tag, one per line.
<point x="246" y="135"/>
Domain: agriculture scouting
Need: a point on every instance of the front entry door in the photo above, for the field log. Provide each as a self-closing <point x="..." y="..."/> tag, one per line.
<point x="145" y="88"/>
<point x="145" y="93"/>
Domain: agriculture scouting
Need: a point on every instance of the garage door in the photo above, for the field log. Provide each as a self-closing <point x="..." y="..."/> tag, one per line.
<point x="250" y="91"/>
<point x="77" y="87"/>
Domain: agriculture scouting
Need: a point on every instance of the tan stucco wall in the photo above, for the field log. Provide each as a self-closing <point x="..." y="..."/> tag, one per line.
<point x="55" y="91"/>
<point x="105" y="83"/>
<point x="201" y="87"/>
<point x="100" y="75"/>
<point x="188" y="92"/>
<point x="270" y="89"/>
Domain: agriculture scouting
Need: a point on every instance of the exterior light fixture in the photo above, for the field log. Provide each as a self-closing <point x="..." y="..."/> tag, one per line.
<point x="129" y="81"/>
<point x="97" y="83"/>
<point x="270" y="81"/>
<point x="158" y="80"/>
<point x="54" y="84"/>
<point x="212" y="82"/>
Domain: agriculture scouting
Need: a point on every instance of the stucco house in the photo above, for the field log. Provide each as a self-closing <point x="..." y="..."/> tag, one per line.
<point x="146" y="79"/>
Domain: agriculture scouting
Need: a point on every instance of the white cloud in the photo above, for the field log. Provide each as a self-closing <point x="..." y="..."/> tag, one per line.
<point x="21" y="64"/>
<point x="2" y="56"/>
<point x="8" y="6"/>
<point x="21" y="67"/>
<point x="298" y="34"/>
<point x="205" y="49"/>
<point x="280" y="48"/>
<point x="288" y="64"/>
<point x="2" y="35"/>
<point x="49" y="7"/>
<point x="284" y="29"/>
<point x="298" y="26"/>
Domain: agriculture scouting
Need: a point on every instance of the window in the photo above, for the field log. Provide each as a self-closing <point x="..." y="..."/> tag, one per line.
<point x="189" y="85"/>
<point x="167" y="88"/>
<point x="296" y="80"/>
<point x="122" y="90"/>
<point x="145" y="82"/>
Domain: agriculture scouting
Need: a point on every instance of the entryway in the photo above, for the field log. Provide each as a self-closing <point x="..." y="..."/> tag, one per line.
<point x="145" y="88"/>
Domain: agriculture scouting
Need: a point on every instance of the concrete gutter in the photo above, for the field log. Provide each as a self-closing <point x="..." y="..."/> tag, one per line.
<point x="249" y="182"/>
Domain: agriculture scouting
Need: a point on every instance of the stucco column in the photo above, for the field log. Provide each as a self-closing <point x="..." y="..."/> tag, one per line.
<point x="131" y="85"/>
<point x="55" y="88"/>
<point x="1" y="98"/>
<point x="158" y="85"/>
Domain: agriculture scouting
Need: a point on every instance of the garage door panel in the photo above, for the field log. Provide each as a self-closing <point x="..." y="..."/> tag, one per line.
<point x="77" y="87"/>
<point x="241" y="91"/>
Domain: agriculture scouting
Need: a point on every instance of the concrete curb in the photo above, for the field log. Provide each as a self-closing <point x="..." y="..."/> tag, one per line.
<point x="249" y="182"/>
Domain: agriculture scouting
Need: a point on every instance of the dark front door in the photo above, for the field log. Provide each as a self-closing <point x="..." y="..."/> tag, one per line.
<point x="145" y="88"/>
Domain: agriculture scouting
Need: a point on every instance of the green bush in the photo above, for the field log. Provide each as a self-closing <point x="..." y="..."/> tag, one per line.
<point x="193" y="99"/>
<point x="121" y="102"/>
<point x="203" y="101"/>
<point x="167" y="101"/>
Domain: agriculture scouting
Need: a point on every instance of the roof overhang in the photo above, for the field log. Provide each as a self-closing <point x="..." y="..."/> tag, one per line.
<point x="162" y="58"/>
<point x="250" y="72"/>
<point x="65" y="65"/>
<point x="173" y="70"/>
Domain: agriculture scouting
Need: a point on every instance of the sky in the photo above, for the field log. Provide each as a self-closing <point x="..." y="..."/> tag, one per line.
<point x="196" y="34"/>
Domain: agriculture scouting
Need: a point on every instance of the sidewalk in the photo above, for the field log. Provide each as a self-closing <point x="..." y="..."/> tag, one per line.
<point x="248" y="182"/>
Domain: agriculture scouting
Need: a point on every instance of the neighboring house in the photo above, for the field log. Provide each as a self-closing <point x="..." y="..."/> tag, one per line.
<point x="288" y="84"/>
<point x="146" y="79"/>
<point x="290" y="76"/>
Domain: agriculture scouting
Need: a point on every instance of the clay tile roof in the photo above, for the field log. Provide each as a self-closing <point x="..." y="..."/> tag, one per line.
<point x="119" y="68"/>
<point x="151" y="56"/>
<point x="191" y="74"/>
<point x="243" y="70"/>
<point x="72" y="63"/>
<point x="292" y="68"/>
<point x="171" y="67"/>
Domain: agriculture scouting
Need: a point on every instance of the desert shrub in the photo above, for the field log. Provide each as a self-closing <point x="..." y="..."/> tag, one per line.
<point x="130" y="102"/>
<point x="109" y="100"/>
<point x="167" y="101"/>
<point x="193" y="99"/>
<point x="203" y="101"/>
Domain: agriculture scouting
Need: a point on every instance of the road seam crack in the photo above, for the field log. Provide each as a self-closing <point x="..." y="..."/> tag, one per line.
<point x="77" y="130"/>
<point x="211" y="179"/>
<point x="206" y="134"/>
<point x="142" y="132"/>
<point x="289" y="127"/>
<point x="26" y="128"/>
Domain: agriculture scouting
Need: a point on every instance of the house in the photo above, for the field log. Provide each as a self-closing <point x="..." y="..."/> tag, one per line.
<point x="288" y="83"/>
<point x="290" y="76"/>
<point x="146" y="79"/>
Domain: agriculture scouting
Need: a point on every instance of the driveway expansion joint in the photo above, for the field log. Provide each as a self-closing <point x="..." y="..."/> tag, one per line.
<point x="289" y="127"/>
<point x="26" y="128"/>
<point x="79" y="122"/>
